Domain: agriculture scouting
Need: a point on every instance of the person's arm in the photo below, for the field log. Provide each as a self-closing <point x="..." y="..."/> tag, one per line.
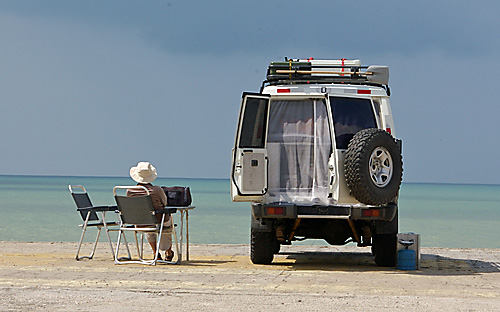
<point x="164" y="198"/>
<point x="161" y="195"/>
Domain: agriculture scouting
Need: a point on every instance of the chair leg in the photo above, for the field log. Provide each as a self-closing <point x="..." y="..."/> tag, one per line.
<point x="158" y="241"/>
<point x="103" y="214"/>
<point x="117" y="260"/>
<point x="173" y="231"/>
<point x="95" y="243"/>
<point x="137" y="245"/>
<point x="142" y="245"/>
<point x="80" y="244"/>
<point x="129" y="260"/>
<point x="81" y="240"/>
<point x="109" y="241"/>
<point x="126" y="245"/>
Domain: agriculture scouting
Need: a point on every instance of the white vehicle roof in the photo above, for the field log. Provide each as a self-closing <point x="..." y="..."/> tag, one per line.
<point x="321" y="89"/>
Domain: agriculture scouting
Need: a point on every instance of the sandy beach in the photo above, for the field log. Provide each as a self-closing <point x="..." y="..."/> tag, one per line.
<point x="45" y="276"/>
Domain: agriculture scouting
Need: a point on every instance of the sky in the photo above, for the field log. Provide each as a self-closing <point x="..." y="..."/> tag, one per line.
<point x="89" y="88"/>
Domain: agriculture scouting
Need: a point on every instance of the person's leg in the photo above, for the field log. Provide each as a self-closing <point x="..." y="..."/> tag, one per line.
<point x="151" y="237"/>
<point x="166" y="240"/>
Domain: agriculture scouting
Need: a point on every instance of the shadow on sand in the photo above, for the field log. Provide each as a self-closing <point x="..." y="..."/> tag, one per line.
<point x="363" y="262"/>
<point x="205" y="263"/>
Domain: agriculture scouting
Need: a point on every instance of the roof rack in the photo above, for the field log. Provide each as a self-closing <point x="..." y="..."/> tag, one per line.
<point x="312" y="71"/>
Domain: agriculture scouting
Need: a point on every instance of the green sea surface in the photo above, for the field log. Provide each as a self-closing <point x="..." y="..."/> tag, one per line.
<point x="40" y="208"/>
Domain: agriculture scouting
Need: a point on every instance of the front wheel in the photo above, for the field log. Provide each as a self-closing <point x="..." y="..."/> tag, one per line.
<point x="263" y="247"/>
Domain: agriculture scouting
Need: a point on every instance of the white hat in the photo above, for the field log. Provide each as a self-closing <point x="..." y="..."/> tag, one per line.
<point x="144" y="172"/>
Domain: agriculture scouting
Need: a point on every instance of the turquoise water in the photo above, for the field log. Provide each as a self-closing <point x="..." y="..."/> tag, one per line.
<point x="40" y="208"/>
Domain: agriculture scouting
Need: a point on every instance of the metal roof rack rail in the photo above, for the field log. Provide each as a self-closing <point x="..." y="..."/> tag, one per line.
<point x="325" y="71"/>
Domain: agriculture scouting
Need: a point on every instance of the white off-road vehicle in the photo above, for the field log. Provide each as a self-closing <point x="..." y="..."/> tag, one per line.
<point x="316" y="155"/>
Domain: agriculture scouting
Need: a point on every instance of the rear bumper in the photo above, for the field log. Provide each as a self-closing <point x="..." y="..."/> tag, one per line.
<point x="291" y="211"/>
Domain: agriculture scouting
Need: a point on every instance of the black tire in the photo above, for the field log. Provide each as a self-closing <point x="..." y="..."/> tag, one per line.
<point x="373" y="167"/>
<point x="385" y="249"/>
<point x="277" y="247"/>
<point x="263" y="246"/>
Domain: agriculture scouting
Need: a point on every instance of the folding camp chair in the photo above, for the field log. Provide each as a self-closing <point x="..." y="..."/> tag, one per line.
<point x="88" y="212"/>
<point x="137" y="214"/>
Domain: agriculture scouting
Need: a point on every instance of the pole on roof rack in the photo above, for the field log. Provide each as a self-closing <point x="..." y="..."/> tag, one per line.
<point x="327" y="72"/>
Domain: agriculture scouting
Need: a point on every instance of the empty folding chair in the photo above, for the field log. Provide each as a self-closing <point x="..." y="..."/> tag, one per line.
<point x="88" y="212"/>
<point x="138" y="215"/>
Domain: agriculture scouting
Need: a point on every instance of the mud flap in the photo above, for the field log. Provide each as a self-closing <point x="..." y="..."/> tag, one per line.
<point x="388" y="227"/>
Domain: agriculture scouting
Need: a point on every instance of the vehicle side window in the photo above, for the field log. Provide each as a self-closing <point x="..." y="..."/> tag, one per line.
<point x="350" y="115"/>
<point x="253" y="127"/>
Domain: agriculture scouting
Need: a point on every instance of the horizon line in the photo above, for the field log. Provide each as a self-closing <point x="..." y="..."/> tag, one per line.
<point x="92" y="176"/>
<point x="200" y="178"/>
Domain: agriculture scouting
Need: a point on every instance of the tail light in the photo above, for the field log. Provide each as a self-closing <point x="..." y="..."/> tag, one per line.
<point x="275" y="211"/>
<point x="371" y="213"/>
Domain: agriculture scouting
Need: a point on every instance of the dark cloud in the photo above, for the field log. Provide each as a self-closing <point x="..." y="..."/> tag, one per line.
<point x="225" y="27"/>
<point x="95" y="67"/>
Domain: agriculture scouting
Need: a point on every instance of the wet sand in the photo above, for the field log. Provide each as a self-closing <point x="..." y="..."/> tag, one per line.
<point x="45" y="276"/>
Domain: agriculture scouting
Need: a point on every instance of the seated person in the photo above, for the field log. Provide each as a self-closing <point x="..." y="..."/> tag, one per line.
<point x="144" y="173"/>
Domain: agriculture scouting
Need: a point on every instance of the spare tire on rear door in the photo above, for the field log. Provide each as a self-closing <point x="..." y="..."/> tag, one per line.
<point x="373" y="167"/>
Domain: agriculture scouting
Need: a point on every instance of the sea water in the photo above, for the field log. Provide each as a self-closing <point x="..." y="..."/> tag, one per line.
<point x="40" y="208"/>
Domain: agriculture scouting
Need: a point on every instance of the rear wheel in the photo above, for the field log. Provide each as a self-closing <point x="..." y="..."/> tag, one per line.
<point x="385" y="249"/>
<point x="277" y="247"/>
<point x="263" y="246"/>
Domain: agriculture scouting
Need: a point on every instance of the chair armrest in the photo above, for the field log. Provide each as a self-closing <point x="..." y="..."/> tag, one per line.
<point x="166" y="210"/>
<point x="98" y="208"/>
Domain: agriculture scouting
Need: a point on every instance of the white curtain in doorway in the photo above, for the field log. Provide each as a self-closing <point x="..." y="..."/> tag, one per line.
<point x="299" y="146"/>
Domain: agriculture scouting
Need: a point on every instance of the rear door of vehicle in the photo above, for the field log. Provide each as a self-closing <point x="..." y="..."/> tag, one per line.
<point x="250" y="161"/>
<point x="350" y="115"/>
